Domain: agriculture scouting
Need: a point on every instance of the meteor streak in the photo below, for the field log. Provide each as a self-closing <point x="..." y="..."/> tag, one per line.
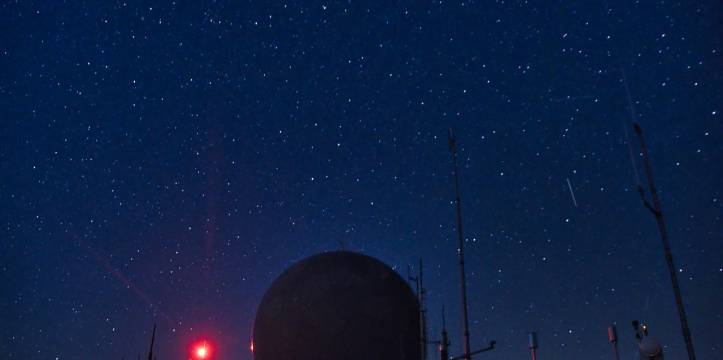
<point x="572" y="193"/>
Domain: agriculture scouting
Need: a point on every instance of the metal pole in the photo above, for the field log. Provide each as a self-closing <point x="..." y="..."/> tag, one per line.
<point x="613" y="338"/>
<point x="532" y="342"/>
<point x="422" y="311"/>
<point x="153" y="339"/>
<point x="444" y="344"/>
<point x="657" y="211"/>
<point x="460" y="238"/>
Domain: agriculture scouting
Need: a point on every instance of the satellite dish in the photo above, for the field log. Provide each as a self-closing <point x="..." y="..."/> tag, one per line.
<point x="337" y="305"/>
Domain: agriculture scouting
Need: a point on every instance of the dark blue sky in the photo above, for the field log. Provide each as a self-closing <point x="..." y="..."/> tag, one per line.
<point x="164" y="162"/>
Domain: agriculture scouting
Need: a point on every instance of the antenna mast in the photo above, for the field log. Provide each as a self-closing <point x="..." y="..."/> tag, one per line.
<point x="657" y="211"/>
<point x="613" y="338"/>
<point x="421" y="298"/>
<point x="532" y="340"/>
<point x="444" y="343"/>
<point x="460" y="250"/>
<point x="153" y="338"/>
<point x="422" y="312"/>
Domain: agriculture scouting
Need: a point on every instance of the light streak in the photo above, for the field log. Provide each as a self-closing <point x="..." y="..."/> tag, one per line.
<point x="572" y="193"/>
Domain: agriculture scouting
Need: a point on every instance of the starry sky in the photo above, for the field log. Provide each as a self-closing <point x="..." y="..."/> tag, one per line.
<point x="162" y="162"/>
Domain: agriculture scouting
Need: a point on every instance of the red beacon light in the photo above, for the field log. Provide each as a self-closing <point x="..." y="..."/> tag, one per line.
<point x="202" y="351"/>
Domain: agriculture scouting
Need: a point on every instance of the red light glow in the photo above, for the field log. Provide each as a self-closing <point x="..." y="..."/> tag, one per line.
<point x="202" y="351"/>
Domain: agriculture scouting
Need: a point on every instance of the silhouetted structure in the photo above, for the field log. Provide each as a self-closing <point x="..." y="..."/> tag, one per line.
<point x="613" y="338"/>
<point x="338" y="305"/>
<point x="467" y="355"/>
<point x="421" y="297"/>
<point x="153" y="339"/>
<point x="532" y="343"/>
<point x="460" y="249"/>
<point x="649" y="348"/>
<point x="444" y="343"/>
<point x="656" y="209"/>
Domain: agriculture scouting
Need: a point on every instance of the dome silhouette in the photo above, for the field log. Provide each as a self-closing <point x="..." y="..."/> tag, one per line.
<point x="337" y="305"/>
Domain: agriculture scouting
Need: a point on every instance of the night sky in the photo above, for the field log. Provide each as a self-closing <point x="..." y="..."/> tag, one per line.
<point x="164" y="162"/>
